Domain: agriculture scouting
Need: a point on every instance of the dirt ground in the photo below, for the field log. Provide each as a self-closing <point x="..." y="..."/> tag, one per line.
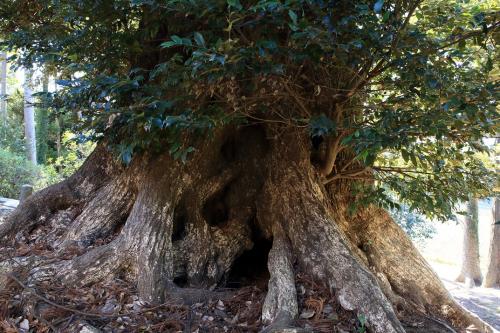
<point x="484" y="302"/>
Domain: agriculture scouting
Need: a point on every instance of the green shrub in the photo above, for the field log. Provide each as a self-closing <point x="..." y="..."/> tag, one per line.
<point x="12" y="130"/>
<point x="416" y="226"/>
<point x="15" y="171"/>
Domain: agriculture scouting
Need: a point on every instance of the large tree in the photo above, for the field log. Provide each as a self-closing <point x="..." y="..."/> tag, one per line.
<point x="281" y="124"/>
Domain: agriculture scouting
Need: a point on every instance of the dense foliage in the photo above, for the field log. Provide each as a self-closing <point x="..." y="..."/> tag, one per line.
<point x="11" y="129"/>
<point x="59" y="152"/>
<point x="14" y="172"/>
<point x="403" y="91"/>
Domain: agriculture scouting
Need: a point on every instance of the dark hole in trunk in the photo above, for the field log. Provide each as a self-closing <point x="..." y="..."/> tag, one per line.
<point x="228" y="150"/>
<point x="179" y="225"/>
<point x="215" y="210"/>
<point x="316" y="149"/>
<point x="316" y="141"/>
<point x="250" y="268"/>
<point x="181" y="281"/>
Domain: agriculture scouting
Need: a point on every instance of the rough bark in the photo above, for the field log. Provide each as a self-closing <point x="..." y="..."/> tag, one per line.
<point x="403" y="274"/>
<point x="296" y="201"/>
<point x="280" y="306"/>
<point x="470" y="272"/>
<point x="492" y="277"/>
<point x="180" y="229"/>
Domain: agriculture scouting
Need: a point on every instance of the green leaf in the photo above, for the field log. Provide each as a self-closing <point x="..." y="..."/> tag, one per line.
<point x="321" y="125"/>
<point x="126" y="156"/>
<point x="362" y="322"/>
<point x="176" y="39"/>
<point x="198" y="38"/>
<point x="405" y="155"/>
<point x="413" y="160"/>
<point x="235" y="4"/>
<point x="293" y="16"/>
<point x="377" y="7"/>
<point x="370" y="159"/>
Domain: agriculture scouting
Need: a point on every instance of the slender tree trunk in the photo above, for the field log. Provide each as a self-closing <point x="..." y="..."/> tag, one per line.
<point x="470" y="272"/>
<point x="3" y="87"/>
<point x="58" y="127"/>
<point x="58" y="137"/>
<point x="182" y="228"/>
<point x="29" y="118"/>
<point x="42" y="122"/>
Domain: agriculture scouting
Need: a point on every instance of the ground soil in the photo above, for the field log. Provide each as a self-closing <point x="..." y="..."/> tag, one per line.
<point x="484" y="302"/>
<point x="115" y="307"/>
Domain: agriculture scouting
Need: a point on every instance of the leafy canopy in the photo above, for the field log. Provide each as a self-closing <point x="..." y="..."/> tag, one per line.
<point x="404" y="91"/>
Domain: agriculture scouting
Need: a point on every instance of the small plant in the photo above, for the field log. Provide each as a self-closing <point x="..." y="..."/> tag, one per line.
<point x="361" y="323"/>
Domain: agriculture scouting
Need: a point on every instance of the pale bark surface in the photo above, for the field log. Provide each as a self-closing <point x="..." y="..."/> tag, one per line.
<point x="3" y="86"/>
<point x="29" y="118"/>
<point x="179" y="230"/>
<point x="492" y="277"/>
<point x="470" y="273"/>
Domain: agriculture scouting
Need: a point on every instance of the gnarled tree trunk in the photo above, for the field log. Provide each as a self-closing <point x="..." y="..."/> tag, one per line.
<point x="177" y="228"/>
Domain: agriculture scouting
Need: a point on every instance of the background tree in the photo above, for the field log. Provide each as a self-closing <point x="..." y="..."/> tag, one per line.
<point x="3" y="87"/>
<point x="281" y="127"/>
<point x="470" y="272"/>
<point x="42" y="122"/>
<point x="29" y="118"/>
<point x="492" y="277"/>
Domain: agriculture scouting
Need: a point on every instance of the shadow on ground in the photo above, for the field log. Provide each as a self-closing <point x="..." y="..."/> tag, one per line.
<point x="484" y="302"/>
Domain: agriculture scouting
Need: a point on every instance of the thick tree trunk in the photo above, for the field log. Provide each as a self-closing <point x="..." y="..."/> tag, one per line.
<point x="178" y="229"/>
<point x="470" y="272"/>
<point x="492" y="278"/>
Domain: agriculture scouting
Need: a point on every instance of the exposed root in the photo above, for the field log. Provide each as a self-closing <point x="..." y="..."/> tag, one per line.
<point x="280" y="307"/>
<point x="147" y="241"/>
<point x="294" y="199"/>
<point x="37" y="209"/>
<point x="408" y="274"/>
<point x="102" y="214"/>
<point x="93" y="266"/>
<point x="179" y="232"/>
<point x="97" y="170"/>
